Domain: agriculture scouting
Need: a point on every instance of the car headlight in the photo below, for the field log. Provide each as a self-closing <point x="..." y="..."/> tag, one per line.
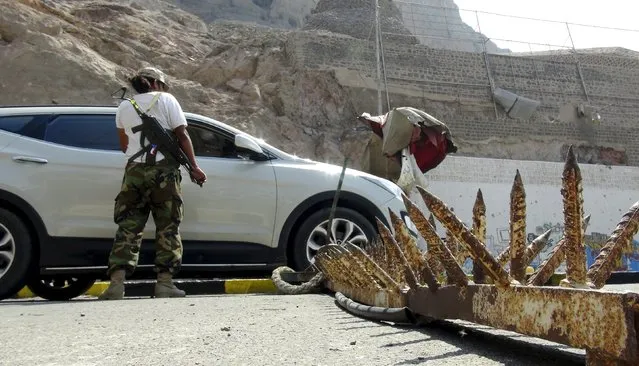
<point x="386" y="185"/>
<point x="409" y="224"/>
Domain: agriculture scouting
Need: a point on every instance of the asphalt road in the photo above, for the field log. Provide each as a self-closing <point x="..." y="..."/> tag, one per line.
<point x="246" y="330"/>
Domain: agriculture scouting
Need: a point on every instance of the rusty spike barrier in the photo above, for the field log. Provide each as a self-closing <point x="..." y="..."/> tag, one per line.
<point x="414" y="257"/>
<point x="518" y="229"/>
<point x="605" y="324"/>
<point x="382" y="278"/>
<point x="572" y="192"/>
<point x="395" y="257"/>
<point x="452" y="245"/>
<point x="479" y="230"/>
<point x="408" y="275"/>
<point x="621" y="237"/>
<point x="337" y="279"/>
<point x="435" y="265"/>
<point x="454" y="273"/>
<point x="386" y="257"/>
<point x="460" y="231"/>
<point x="536" y="246"/>
<point x="552" y="262"/>
<point x="602" y="323"/>
<point x="532" y="250"/>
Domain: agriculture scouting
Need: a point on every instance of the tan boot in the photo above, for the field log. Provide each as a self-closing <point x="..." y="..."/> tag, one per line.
<point x="115" y="291"/>
<point x="166" y="288"/>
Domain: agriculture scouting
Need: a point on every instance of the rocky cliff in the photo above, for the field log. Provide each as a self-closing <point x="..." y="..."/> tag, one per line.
<point x="81" y="51"/>
<point x="300" y="89"/>
<point x="285" y="14"/>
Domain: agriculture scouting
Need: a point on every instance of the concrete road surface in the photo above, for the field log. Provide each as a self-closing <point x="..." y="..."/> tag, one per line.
<point x="245" y="330"/>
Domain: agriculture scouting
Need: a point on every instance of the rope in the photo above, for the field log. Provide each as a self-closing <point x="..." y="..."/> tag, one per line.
<point x="313" y="285"/>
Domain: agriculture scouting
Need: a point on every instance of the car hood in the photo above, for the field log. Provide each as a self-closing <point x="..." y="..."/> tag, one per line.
<point x="350" y="174"/>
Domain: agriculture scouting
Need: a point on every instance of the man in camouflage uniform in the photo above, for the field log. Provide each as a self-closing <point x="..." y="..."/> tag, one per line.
<point x="151" y="184"/>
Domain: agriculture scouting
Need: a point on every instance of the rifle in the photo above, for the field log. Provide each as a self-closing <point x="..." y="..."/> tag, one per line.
<point x="160" y="138"/>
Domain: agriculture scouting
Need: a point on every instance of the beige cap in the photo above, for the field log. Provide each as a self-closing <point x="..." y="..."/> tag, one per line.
<point x="154" y="73"/>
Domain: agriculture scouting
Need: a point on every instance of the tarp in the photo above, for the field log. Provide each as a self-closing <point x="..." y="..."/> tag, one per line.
<point x="404" y="127"/>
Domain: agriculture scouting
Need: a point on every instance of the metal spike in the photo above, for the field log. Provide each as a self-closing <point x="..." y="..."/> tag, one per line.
<point x="378" y="272"/>
<point x="621" y="238"/>
<point x="393" y="260"/>
<point x="503" y="257"/>
<point x="552" y="262"/>
<point x="463" y="234"/>
<point x="575" y="250"/>
<point x="452" y="245"/>
<point x="404" y="267"/>
<point x="517" y="229"/>
<point x="479" y="230"/>
<point x="536" y="247"/>
<point x="353" y="256"/>
<point x="435" y="245"/>
<point x="416" y="262"/>
<point x="433" y="262"/>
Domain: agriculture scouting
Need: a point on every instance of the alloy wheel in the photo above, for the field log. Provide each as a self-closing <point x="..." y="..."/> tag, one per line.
<point x="7" y="250"/>
<point x="343" y="231"/>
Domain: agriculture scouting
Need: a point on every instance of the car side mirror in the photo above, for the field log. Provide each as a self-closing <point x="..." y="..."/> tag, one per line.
<point x="245" y="142"/>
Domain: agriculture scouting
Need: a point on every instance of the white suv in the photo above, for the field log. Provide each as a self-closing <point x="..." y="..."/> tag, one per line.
<point x="61" y="168"/>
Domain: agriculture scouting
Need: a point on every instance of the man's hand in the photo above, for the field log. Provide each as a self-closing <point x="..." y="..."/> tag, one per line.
<point x="198" y="175"/>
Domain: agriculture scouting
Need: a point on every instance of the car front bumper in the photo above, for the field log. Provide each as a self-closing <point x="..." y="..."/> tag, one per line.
<point x="398" y="207"/>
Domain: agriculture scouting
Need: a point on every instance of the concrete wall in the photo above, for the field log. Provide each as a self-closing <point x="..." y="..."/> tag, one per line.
<point x="608" y="194"/>
<point x="454" y="86"/>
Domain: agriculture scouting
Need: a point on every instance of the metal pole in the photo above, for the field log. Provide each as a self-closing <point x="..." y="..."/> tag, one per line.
<point x="377" y="51"/>
<point x="329" y="228"/>
<point x="487" y="63"/>
<point x="581" y="76"/>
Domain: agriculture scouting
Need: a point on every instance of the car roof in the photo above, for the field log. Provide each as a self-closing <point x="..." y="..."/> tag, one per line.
<point x="7" y="110"/>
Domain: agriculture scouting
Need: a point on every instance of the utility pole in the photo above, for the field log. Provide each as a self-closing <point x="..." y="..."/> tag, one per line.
<point x="377" y="55"/>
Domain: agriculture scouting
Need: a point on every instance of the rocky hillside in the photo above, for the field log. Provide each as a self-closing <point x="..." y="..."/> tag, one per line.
<point x="81" y="51"/>
<point x="285" y="14"/>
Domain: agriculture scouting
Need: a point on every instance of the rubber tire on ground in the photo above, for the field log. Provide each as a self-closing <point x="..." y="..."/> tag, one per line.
<point x="75" y="289"/>
<point x="300" y="262"/>
<point x="14" y="280"/>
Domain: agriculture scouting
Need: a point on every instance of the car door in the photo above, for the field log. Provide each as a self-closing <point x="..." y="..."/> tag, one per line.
<point x="70" y="172"/>
<point x="237" y="204"/>
<point x="11" y="127"/>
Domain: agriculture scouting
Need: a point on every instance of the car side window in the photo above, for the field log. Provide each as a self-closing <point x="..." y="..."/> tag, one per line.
<point x="209" y="143"/>
<point x="84" y="131"/>
<point x="15" y="124"/>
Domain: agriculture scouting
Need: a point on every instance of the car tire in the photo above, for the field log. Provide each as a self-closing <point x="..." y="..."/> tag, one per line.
<point x="60" y="288"/>
<point x="309" y="233"/>
<point x="15" y="254"/>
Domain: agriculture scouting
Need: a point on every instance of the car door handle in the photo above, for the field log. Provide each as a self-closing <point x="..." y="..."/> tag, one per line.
<point x="29" y="159"/>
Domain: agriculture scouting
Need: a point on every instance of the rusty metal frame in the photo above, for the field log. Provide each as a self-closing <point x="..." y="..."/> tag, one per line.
<point x="392" y="272"/>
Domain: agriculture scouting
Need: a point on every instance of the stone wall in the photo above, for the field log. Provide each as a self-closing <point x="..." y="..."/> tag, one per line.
<point x="455" y="86"/>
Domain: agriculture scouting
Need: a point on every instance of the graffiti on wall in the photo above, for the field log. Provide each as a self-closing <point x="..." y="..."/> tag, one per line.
<point x="594" y="241"/>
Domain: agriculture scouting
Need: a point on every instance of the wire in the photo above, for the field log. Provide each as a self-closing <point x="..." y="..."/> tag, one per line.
<point x="519" y="17"/>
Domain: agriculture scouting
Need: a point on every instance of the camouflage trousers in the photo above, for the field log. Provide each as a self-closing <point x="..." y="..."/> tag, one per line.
<point x="148" y="189"/>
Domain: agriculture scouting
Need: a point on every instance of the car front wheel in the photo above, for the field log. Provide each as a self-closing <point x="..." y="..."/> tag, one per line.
<point x="60" y="288"/>
<point x="15" y="254"/>
<point x="348" y="226"/>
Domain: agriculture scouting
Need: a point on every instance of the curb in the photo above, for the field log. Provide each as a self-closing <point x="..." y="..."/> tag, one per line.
<point x="192" y="287"/>
<point x="145" y="288"/>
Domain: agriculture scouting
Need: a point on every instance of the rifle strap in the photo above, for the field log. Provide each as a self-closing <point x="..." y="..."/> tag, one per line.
<point x="150" y="155"/>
